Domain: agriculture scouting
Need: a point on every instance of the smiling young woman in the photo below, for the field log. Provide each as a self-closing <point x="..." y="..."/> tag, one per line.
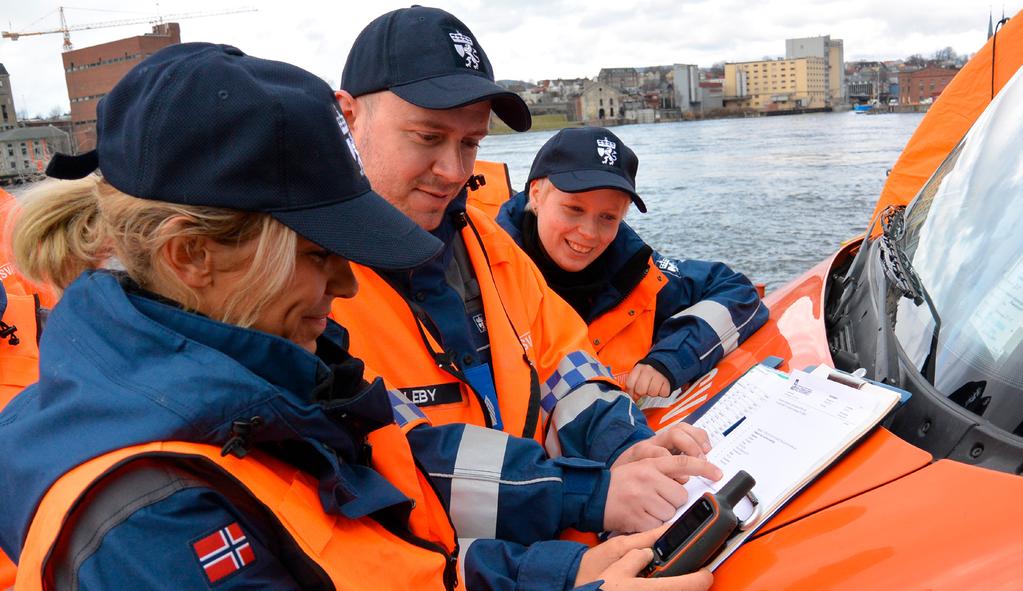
<point x="658" y="323"/>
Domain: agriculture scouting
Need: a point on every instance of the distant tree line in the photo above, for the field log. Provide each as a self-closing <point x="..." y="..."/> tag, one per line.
<point x="942" y="57"/>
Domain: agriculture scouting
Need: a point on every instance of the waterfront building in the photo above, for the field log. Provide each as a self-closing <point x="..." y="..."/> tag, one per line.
<point x="91" y="72"/>
<point x="923" y="86"/>
<point x="832" y="51"/>
<point x="8" y="116"/>
<point x="25" y="151"/>
<point x="694" y="96"/>
<point x="648" y="94"/>
<point x="564" y="88"/>
<point x="602" y="102"/>
<point x="776" y="85"/>
<point x="712" y="96"/>
<point x="867" y="82"/>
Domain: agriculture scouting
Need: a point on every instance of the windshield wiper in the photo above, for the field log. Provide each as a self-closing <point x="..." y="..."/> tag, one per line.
<point x="904" y="279"/>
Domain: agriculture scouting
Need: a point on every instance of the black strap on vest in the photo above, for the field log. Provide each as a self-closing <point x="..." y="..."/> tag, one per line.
<point x="533" y="408"/>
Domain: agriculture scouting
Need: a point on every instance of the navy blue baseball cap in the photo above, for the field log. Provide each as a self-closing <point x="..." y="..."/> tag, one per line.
<point x="204" y="124"/>
<point x="581" y="159"/>
<point x="430" y="59"/>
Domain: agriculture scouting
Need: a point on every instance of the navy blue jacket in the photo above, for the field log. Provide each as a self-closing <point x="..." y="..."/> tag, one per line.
<point x="119" y="367"/>
<point x="687" y="341"/>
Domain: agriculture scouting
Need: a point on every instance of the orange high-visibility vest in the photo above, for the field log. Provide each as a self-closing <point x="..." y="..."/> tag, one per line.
<point x="355" y="553"/>
<point x="527" y="323"/>
<point x="489" y="196"/>
<point x="19" y="364"/>
<point x="624" y="334"/>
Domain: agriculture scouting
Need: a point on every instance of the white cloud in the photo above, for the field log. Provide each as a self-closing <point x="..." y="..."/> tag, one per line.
<point x="525" y="39"/>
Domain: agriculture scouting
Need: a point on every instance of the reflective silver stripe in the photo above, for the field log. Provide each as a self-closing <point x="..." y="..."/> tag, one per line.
<point x="463" y="550"/>
<point x="580" y="399"/>
<point x="477" y="481"/>
<point x="738" y="328"/>
<point x="501" y="481"/>
<point x="551" y="443"/>
<point x="719" y="319"/>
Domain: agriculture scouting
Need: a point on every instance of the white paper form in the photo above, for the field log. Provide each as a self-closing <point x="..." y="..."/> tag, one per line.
<point x="742" y="398"/>
<point x="792" y="429"/>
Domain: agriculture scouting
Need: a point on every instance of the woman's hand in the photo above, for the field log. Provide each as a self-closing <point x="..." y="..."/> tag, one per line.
<point x="644" y="380"/>
<point x="619" y="561"/>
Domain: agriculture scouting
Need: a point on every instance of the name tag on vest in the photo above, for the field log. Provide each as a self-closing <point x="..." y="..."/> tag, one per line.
<point x="434" y="395"/>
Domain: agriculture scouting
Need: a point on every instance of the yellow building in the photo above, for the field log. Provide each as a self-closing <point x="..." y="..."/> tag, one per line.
<point x="777" y="85"/>
<point x="831" y="50"/>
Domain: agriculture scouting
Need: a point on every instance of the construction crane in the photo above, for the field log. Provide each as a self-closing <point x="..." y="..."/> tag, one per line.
<point x="66" y="30"/>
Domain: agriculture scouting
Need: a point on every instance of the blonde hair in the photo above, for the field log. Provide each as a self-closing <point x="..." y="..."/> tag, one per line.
<point x="66" y="227"/>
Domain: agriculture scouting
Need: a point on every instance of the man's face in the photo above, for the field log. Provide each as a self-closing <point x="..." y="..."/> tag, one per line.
<point x="418" y="159"/>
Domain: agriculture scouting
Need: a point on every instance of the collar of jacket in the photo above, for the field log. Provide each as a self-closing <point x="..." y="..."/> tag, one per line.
<point x="449" y="227"/>
<point x="119" y="370"/>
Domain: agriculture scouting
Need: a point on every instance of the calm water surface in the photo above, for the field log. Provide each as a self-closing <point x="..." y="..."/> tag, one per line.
<point x="770" y="196"/>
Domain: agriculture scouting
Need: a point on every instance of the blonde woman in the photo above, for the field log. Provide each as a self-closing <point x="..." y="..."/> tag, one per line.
<point x="193" y="426"/>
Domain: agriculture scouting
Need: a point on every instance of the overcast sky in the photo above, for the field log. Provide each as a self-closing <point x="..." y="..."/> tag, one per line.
<point x="525" y="39"/>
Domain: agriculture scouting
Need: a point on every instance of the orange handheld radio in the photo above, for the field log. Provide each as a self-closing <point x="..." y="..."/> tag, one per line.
<point x="699" y="533"/>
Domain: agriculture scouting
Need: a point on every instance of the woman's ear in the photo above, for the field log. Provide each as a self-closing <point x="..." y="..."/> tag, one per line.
<point x="537" y="192"/>
<point x="190" y="259"/>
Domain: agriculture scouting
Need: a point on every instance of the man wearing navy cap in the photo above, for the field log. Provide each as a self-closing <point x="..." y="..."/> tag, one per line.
<point x="475" y="336"/>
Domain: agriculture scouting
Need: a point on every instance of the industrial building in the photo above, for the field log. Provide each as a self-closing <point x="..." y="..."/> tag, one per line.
<point x="832" y="51"/>
<point x="91" y="72"/>
<point x="776" y="85"/>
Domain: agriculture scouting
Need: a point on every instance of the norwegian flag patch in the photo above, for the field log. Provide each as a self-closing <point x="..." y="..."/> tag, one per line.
<point x="224" y="552"/>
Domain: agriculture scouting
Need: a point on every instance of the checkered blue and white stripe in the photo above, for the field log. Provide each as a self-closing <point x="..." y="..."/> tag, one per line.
<point x="570" y="392"/>
<point x="577" y="368"/>
<point x="405" y="411"/>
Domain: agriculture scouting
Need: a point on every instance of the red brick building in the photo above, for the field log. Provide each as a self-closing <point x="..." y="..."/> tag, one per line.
<point x="92" y="71"/>
<point x="916" y="87"/>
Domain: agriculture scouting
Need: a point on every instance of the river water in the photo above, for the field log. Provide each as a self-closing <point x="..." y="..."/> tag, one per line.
<point x="770" y="196"/>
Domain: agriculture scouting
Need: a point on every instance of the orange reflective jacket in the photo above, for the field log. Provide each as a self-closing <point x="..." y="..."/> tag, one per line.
<point x="19" y="357"/>
<point x="354" y="553"/>
<point x="495" y="190"/>
<point x="529" y="327"/>
<point x="623" y="334"/>
<point x="19" y="363"/>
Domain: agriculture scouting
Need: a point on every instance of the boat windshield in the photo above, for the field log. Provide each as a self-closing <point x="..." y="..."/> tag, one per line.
<point x="964" y="237"/>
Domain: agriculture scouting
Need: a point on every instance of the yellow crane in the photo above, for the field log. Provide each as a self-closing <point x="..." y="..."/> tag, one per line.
<point x="66" y="30"/>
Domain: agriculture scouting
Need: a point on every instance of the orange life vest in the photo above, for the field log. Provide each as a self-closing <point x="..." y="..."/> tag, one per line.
<point x="491" y="194"/>
<point x="623" y="335"/>
<point x="528" y="325"/>
<point x="19" y="363"/>
<point x="355" y="553"/>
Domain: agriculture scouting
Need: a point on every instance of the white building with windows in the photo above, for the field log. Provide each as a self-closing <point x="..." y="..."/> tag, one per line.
<point x="25" y="151"/>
